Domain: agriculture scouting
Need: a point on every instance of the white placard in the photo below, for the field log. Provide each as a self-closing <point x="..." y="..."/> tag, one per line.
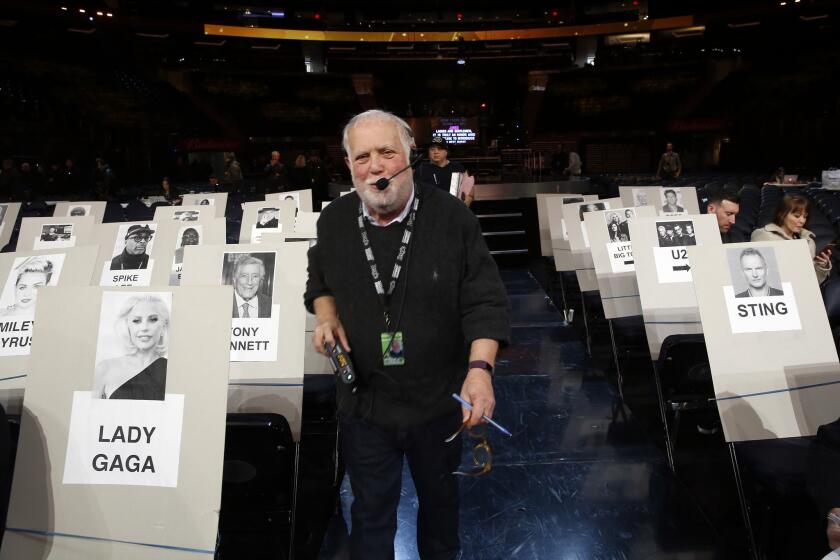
<point x="137" y="277"/>
<point x="621" y="256"/>
<point x="253" y="339"/>
<point x="15" y="336"/>
<point x="762" y="313"/>
<point x="672" y="264"/>
<point x="120" y="441"/>
<point x="257" y="232"/>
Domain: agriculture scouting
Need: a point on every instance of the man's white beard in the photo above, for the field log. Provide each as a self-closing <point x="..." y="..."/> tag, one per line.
<point x="382" y="202"/>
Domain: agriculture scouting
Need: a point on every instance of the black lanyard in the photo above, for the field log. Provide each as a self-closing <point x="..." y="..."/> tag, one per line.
<point x="385" y="296"/>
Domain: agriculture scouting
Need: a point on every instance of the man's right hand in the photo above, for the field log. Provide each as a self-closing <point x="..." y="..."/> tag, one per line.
<point x="833" y="532"/>
<point x="327" y="331"/>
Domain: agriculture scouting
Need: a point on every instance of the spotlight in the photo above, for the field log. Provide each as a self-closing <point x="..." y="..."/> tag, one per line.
<point x="64" y="8"/>
<point x="461" y="61"/>
<point x="109" y="14"/>
<point x="81" y="10"/>
<point x="100" y="14"/>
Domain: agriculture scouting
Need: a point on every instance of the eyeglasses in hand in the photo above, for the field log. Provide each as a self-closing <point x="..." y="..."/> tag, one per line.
<point x="482" y="454"/>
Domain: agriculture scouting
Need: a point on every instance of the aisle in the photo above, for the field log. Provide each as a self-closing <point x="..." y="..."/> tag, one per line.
<point x="579" y="480"/>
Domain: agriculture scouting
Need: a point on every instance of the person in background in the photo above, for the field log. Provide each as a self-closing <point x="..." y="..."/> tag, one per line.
<point x="789" y="222"/>
<point x="71" y="179"/>
<point x="233" y="171"/>
<point x="560" y="162"/>
<point x="300" y="174"/>
<point x="103" y="182"/>
<point x="32" y="180"/>
<point x="439" y="169"/>
<point x="778" y="177"/>
<point x="575" y="166"/>
<point x="275" y="173"/>
<point x="213" y="183"/>
<point x="725" y="206"/>
<point x="170" y="193"/>
<point x="670" y="166"/>
<point x="318" y="177"/>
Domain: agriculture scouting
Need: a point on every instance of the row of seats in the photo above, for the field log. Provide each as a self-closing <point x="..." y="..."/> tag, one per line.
<point x="685" y="378"/>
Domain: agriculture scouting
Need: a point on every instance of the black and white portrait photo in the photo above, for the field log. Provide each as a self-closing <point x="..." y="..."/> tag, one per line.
<point x="132" y="346"/>
<point x="590" y="207"/>
<point x="267" y="218"/>
<point x="78" y="210"/>
<point x="754" y="272"/>
<point x="20" y="292"/>
<point x="186" y="215"/>
<point x="252" y="278"/>
<point x="678" y="233"/>
<point x="206" y="202"/>
<point x="640" y="197"/>
<point x="133" y="246"/>
<point x="56" y="232"/>
<point x="671" y="200"/>
<point x="187" y="235"/>
<point x="618" y="224"/>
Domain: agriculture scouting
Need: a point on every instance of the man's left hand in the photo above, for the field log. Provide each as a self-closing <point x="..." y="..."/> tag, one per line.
<point x="478" y="391"/>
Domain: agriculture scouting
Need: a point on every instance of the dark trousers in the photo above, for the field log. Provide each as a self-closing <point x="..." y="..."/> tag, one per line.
<point x="373" y="456"/>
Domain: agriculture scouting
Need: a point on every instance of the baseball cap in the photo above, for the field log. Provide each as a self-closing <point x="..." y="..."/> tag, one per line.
<point x="135" y="229"/>
<point x="440" y="142"/>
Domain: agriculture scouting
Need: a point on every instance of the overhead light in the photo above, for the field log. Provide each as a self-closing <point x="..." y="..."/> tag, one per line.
<point x="100" y="14"/>
<point x="814" y="18"/>
<point x="64" y="8"/>
<point x="278" y="14"/>
<point x="461" y="61"/>
<point x="745" y="24"/>
<point x="81" y="10"/>
<point x="109" y="14"/>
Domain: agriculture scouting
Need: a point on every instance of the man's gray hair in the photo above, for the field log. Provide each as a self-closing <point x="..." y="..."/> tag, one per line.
<point x="403" y="128"/>
<point x="244" y="260"/>
<point x="750" y="252"/>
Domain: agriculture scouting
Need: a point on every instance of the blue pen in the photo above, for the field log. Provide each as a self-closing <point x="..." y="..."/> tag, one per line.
<point x="468" y="406"/>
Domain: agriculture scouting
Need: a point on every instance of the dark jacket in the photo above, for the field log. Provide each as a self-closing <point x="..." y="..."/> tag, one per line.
<point x="771" y="291"/>
<point x="264" y="303"/>
<point x="449" y="293"/>
<point x="124" y="261"/>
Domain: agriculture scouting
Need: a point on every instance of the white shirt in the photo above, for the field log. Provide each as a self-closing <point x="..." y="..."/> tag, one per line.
<point x="399" y="218"/>
<point x="253" y="305"/>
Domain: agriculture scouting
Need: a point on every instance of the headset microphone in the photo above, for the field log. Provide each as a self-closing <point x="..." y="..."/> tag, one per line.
<point x="383" y="183"/>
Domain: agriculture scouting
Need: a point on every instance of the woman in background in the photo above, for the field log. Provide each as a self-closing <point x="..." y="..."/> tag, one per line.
<point x="140" y="374"/>
<point x="789" y="223"/>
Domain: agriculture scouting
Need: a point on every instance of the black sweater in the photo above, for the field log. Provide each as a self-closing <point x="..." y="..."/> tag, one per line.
<point x="450" y="293"/>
